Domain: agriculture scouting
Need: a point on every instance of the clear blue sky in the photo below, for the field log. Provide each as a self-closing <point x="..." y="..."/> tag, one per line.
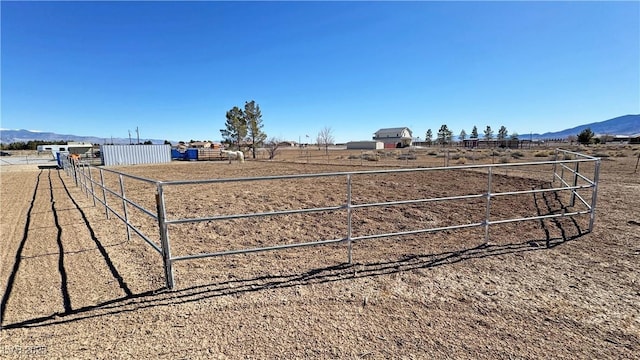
<point x="174" y="68"/>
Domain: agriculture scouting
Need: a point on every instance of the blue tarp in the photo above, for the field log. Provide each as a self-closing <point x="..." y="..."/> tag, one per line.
<point x="177" y="155"/>
<point x="192" y="154"/>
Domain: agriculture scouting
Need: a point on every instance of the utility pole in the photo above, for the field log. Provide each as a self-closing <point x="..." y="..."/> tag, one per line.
<point x="138" y="134"/>
<point x="129" y="136"/>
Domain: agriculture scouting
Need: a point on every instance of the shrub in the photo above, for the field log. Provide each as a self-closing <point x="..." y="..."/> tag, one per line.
<point x="406" y="157"/>
<point x="432" y="153"/>
<point x="541" y="154"/>
<point x="461" y="161"/>
<point x="371" y="157"/>
<point x="517" y="154"/>
<point x="504" y="160"/>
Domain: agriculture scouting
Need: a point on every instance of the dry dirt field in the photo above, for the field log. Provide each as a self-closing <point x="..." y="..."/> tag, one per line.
<point x="74" y="286"/>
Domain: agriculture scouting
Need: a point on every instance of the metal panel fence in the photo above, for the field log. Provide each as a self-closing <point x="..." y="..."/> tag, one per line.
<point x="566" y="173"/>
<point x="135" y="154"/>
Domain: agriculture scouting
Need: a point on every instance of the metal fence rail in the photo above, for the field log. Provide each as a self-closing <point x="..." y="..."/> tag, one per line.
<point x="568" y="165"/>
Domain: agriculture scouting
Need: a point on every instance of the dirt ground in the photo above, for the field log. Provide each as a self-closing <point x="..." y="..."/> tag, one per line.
<point x="74" y="286"/>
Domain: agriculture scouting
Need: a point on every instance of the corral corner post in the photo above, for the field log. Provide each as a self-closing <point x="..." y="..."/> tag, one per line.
<point x="594" y="194"/>
<point x="164" y="237"/>
<point x="349" y="215"/>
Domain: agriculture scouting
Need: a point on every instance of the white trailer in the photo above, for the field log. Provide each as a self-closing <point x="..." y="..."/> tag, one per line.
<point x="70" y="148"/>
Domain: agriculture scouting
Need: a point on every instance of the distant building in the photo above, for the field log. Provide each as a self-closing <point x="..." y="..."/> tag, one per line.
<point x="625" y="139"/>
<point x="394" y="137"/>
<point x="365" y="145"/>
<point x="200" y="144"/>
<point x="287" y="143"/>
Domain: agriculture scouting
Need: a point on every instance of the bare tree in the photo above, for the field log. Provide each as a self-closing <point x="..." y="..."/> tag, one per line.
<point x="273" y="144"/>
<point x="325" y="137"/>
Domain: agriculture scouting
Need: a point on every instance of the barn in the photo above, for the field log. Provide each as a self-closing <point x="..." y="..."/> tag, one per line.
<point x="394" y="137"/>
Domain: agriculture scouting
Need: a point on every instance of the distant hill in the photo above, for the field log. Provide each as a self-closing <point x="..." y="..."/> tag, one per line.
<point x="621" y="125"/>
<point x="11" y="136"/>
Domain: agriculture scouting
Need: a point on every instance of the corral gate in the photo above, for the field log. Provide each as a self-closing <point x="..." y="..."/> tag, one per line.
<point x="89" y="177"/>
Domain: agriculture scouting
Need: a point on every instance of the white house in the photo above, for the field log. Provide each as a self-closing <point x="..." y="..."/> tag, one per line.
<point x="394" y="137"/>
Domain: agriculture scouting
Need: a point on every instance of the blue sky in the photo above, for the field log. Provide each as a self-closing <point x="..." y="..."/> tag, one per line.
<point x="173" y="69"/>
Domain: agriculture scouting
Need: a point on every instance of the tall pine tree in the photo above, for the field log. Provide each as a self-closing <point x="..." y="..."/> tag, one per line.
<point x="235" y="127"/>
<point x="253" y="119"/>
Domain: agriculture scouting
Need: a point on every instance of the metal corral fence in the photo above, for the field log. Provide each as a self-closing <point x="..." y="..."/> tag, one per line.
<point x="566" y="174"/>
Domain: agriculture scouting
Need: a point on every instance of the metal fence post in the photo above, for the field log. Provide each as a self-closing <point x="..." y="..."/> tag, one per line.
<point x="555" y="164"/>
<point x="93" y="194"/>
<point x="349" y="211"/>
<point x="84" y="181"/>
<point x="488" y="210"/>
<point x="75" y="173"/>
<point x="124" y="208"/>
<point x="575" y="183"/>
<point x="164" y="238"/>
<point x="594" y="194"/>
<point x="561" y="172"/>
<point x="104" y="195"/>
<point x="80" y="183"/>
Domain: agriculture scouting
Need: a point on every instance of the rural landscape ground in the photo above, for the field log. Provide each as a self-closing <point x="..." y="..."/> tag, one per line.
<point x="74" y="286"/>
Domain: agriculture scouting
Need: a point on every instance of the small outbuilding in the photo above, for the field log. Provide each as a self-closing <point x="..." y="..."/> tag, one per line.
<point x="394" y="137"/>
<point x="365" y="145"/>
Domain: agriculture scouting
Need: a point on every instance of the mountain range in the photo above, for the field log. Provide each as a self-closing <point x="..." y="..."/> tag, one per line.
<point x="11" y="136"/>
<point x="622" y="125"/>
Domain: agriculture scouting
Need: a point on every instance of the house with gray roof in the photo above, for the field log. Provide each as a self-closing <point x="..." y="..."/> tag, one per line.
<point x="394" y="137"/>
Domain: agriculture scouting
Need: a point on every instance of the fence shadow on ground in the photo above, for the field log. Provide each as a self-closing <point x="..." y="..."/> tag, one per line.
<point x="546" y="203"/>
<point x="66" y="300"/>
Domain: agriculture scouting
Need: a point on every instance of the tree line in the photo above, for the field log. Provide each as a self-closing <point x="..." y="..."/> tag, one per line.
<point x="29" y="145"/>
<point x="445" y="135"/>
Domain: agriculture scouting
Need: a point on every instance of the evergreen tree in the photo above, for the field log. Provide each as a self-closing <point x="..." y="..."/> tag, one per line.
<point x="488" y="133"/>
<point x="235" y="128"/>
<point x="444" y="135"/>
<point x="502" y="135"/>
<point x="586" y="136"/>
<point x="474" y="132"/>
<point x="463" y="135"/>
<point x="253" y="119"/>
